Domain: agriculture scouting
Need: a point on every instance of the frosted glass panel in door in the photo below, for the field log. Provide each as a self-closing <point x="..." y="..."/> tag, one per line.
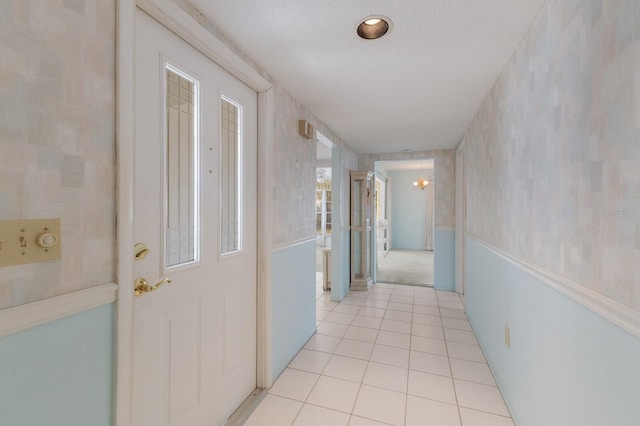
<point x="230" y="214"/>
<point x="356" y="194"/>
<point x="181" y="199"/>
<point x="356" y="263"/>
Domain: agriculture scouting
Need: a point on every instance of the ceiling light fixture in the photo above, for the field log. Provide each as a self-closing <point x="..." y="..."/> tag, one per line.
<point x="374" y="27"/>
<point x="421" y="183"/>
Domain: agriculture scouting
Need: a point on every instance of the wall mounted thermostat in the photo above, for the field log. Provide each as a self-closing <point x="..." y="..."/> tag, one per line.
<point x="26" y="241"/>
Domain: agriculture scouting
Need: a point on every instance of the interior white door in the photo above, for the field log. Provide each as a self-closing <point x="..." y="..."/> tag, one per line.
<point x="194" y="344"/>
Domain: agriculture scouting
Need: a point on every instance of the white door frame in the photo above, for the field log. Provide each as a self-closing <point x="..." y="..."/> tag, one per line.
<point x="460" y="218"/>
<point x="177" y="20"/>
<point x="337" y="257"/>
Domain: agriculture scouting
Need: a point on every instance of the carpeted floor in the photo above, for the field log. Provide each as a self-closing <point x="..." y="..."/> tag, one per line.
<point x="398" y="267"/>
<point x="406" y="267"/>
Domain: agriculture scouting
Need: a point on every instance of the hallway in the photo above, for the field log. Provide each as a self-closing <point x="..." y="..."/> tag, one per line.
<point x="395" y="355"/>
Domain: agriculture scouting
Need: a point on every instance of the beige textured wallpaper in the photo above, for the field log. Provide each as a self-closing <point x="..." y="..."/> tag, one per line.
<point x="57" y="139"/>
<point x="553" y="156"/>
<point x="295" y="170"/>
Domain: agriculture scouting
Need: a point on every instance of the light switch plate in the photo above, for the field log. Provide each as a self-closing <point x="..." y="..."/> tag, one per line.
<point x="19" y="241"/>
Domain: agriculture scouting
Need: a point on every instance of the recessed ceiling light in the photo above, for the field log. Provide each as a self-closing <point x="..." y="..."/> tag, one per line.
<point x="374" y="27"/>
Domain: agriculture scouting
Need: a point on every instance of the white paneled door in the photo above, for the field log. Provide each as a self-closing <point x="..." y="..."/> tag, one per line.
<point x="195" y="213"/>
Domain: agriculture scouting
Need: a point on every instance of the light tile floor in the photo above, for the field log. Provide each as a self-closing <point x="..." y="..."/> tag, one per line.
<point x="393" y="355"/>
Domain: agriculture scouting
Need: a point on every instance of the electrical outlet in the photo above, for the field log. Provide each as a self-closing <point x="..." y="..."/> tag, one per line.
<point x="507" y="336"/>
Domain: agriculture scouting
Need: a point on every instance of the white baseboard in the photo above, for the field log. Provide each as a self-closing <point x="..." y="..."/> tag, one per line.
<point x="623" y="316"/>
<point x="23" y="317"/>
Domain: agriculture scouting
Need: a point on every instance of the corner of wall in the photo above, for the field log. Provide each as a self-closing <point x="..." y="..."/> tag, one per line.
<point x="444" y="259"/>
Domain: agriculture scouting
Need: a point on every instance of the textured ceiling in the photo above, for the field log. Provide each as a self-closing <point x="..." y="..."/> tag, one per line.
<point x="417" y="88"/>
<point x="405" y="165"/>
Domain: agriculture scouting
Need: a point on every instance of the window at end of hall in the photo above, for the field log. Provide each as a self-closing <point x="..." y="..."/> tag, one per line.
<point x="323" y="208"/>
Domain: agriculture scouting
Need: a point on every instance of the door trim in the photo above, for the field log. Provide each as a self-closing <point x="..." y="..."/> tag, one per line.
<point x="169" y="14"/>
<point x="187" y="28"/>
<point x="460" y="217"/>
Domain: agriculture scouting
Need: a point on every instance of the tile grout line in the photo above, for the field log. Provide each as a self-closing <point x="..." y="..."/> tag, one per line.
<point x="406" y="398"/>
<point x="353" y="406"/>
<point x="453" y="383"/>
<point x="411" y="339"/>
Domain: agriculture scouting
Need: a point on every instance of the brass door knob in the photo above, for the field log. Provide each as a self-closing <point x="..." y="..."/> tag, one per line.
<point x="142" y="286"/>
<point x="140" y="251"/>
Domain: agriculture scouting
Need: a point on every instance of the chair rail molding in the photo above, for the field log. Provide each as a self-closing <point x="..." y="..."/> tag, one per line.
<point x="24" y="317"/>
<point x="626" y="318"/>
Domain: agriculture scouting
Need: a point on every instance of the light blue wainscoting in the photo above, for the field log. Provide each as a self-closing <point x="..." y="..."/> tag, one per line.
<point x="567" y="365"/>
<point x="340" y="272"/>
<point x="408" y="211"/>
<point x="59" y="373"/>
<point x="294" y="303"/>
<point x="444" y="259"/>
